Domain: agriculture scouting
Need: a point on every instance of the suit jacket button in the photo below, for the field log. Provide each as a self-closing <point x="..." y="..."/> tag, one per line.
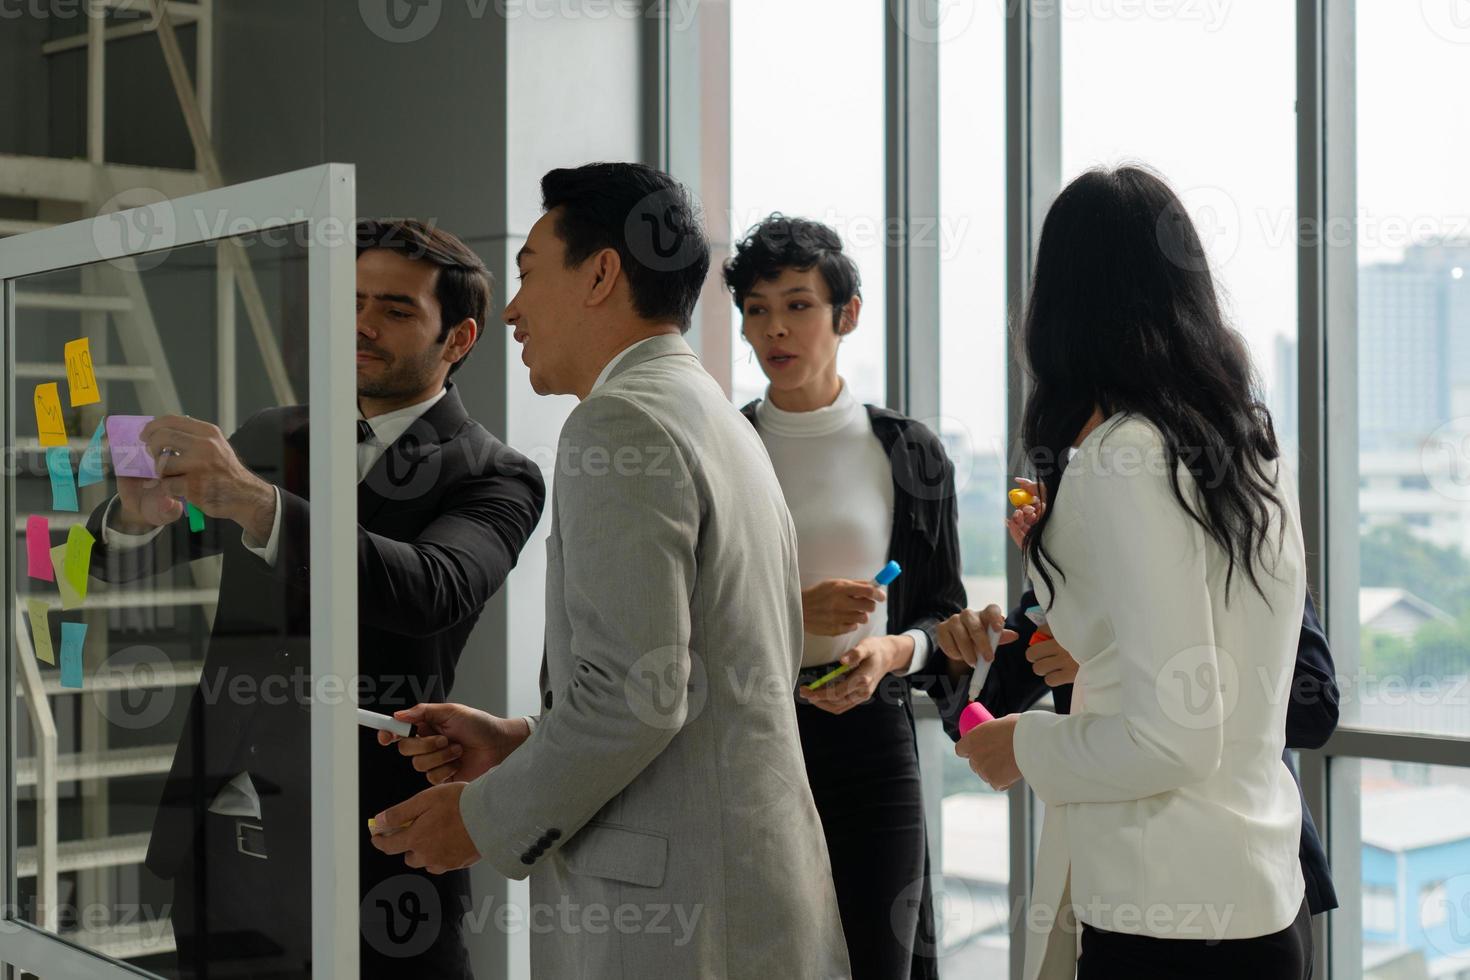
<point x="527" y="859"/>
<point x="546" y="700"/>
<point x="553" y="834"/>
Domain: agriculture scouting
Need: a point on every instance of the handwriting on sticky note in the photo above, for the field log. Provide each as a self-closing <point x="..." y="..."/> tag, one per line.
<point x="69" y="597"/>
<point x="73" y="635"/>
<point x="38" y="545"/>
<point x="80" y="378"/>
<point x="63" y="487"/>
<point x="129" y="452"/>
<point x="49" y="424"/>
<point x="89" y="470"/>
<point x="78" y="560"/>
<point x="36" y="610"/>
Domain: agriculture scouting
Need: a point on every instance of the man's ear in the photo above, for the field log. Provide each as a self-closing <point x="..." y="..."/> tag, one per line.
<point x="605" y="268"/>
<point x="461" y="339"/>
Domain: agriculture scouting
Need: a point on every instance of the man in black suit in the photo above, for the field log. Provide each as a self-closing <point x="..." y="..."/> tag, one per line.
<point x="443" y="510"/>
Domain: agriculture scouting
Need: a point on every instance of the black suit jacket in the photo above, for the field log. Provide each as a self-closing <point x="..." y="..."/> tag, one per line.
<point x="1311" y="716"/>
<point x="442" y="518"/>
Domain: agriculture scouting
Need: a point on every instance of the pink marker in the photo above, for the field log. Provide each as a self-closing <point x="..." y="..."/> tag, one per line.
<point x="974" y="714"/>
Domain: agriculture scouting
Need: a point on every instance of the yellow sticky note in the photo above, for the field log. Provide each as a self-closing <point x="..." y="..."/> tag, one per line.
<point x="49" y="423"/>
<point x="78" y="558"/>
<point x="40" y="630"/>
<point x="70" y="598"/>
<point x="79" y="375"/>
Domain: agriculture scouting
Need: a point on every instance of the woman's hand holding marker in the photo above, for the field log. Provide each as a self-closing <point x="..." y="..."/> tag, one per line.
<point x="853" y="657"/>
<point x="1029" y="500"/>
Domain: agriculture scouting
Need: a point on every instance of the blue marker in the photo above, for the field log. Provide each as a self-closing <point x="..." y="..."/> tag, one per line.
<point x="886" y="574"/>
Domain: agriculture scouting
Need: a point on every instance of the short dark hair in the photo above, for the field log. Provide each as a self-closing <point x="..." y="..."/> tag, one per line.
<point x="463" y="285"/>
<point x="644" y="215"/>
<point x="779" y="243"/>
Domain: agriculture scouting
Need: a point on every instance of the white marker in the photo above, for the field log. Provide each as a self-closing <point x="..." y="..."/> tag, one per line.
<point x="383" y="723"/>
<point x="982" y="669"/>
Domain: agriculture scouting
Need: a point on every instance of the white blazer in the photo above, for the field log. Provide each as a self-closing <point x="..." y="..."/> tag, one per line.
<point x="1169" y="812"/>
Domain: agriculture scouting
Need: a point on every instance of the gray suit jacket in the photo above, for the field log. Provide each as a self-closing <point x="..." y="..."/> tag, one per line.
<point x="661" y="805"/>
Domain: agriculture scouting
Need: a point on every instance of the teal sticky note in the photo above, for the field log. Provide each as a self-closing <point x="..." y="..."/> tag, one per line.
<point x="196" y="517"/>
<point x="72" y="635"/>
<point x="63" y="486"/>
<point x="89" y="470"/>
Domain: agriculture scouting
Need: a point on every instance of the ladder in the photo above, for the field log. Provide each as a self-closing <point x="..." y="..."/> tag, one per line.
<point x="57" y="191"/>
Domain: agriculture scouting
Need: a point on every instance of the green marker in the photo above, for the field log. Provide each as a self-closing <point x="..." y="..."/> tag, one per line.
<point x="887" y="574"/>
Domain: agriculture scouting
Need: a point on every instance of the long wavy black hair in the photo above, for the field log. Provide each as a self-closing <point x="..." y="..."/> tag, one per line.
<point x="1124" y="316"/>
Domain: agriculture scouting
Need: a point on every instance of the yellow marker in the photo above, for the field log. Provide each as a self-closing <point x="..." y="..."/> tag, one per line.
<point x="49" y="423"/>
<point x="78" y="559"/>
<point x="36" y="609"/>
<point x="1020" y="498"/>
<point x="79" y="375"/>
<point x="831" y="675"/>
<point x="373" y="826"/>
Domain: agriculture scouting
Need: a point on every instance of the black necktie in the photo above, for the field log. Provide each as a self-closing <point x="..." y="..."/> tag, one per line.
<point x="364" y="431"/>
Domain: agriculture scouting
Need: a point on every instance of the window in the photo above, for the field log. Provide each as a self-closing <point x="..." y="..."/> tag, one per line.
<point x="972" y="340"/>
<point x="1378" y="909"/>
<point x="1414" y="365"/>
<point x="806" y="137"/>
<point x="1162" y="84"/>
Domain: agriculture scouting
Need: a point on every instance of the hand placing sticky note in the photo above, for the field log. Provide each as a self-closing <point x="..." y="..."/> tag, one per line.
<point x="72" y="637"/>
<point x="49" y="424"/>
<point x="89" y="470"/>
<point x="77" y="562"/>
<point x="129" y="452"/>
<point x="79" y="375"/>
<point x="36" y="611"/>
<point x="38" y="547"/>
<point x="63" y="487"/>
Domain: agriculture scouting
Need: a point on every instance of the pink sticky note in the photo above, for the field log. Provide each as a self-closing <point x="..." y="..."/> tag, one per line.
<point x="38" y="548"/>
<point x="129" y="454"/>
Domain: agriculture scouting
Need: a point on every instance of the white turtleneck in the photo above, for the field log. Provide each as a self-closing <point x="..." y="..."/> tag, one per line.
<point x="838" y="484"/>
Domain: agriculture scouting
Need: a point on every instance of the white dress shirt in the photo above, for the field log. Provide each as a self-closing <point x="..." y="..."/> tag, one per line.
<point x="1169" y="811"/>
<point x="838" y="484"/>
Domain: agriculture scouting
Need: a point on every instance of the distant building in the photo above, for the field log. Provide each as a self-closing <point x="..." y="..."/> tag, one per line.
<point x="1416" y="878"/>
<point x="1396" y="612"/>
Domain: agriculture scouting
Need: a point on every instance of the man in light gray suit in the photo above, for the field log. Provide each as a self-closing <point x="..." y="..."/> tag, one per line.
<point x="659" y="802"/>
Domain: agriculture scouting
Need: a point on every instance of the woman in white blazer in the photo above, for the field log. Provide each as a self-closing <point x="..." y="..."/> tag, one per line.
<point x="1170" y="562"/>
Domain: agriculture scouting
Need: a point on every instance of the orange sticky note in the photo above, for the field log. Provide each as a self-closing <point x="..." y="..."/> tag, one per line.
<point x="78" y="558"/>
<point x="49" y="423"/>
<point x="80" y="377"/>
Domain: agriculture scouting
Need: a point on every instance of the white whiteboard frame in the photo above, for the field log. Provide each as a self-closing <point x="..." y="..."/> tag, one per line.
<point x="322" y="199"/>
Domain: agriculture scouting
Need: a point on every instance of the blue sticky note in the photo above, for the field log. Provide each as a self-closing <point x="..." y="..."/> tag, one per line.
<point x="89" y="470"/>
<point x="72" y="635"/>
<point x="63" y="487"/>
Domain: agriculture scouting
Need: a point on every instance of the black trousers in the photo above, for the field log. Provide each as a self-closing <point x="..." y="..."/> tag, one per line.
<point x="864" y="772"/>
<point x="1284" y="955"/>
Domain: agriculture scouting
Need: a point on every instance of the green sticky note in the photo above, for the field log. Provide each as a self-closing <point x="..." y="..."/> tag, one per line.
<point x="78" y="559"/>
<point x="196" y="518"/>
<point x="69" y="597"/>
<point x="36" y="610"/>
<point x="72" y="635"/>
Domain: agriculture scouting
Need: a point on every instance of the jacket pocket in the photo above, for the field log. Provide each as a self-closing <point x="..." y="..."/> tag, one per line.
<point x="602" y="850"/>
